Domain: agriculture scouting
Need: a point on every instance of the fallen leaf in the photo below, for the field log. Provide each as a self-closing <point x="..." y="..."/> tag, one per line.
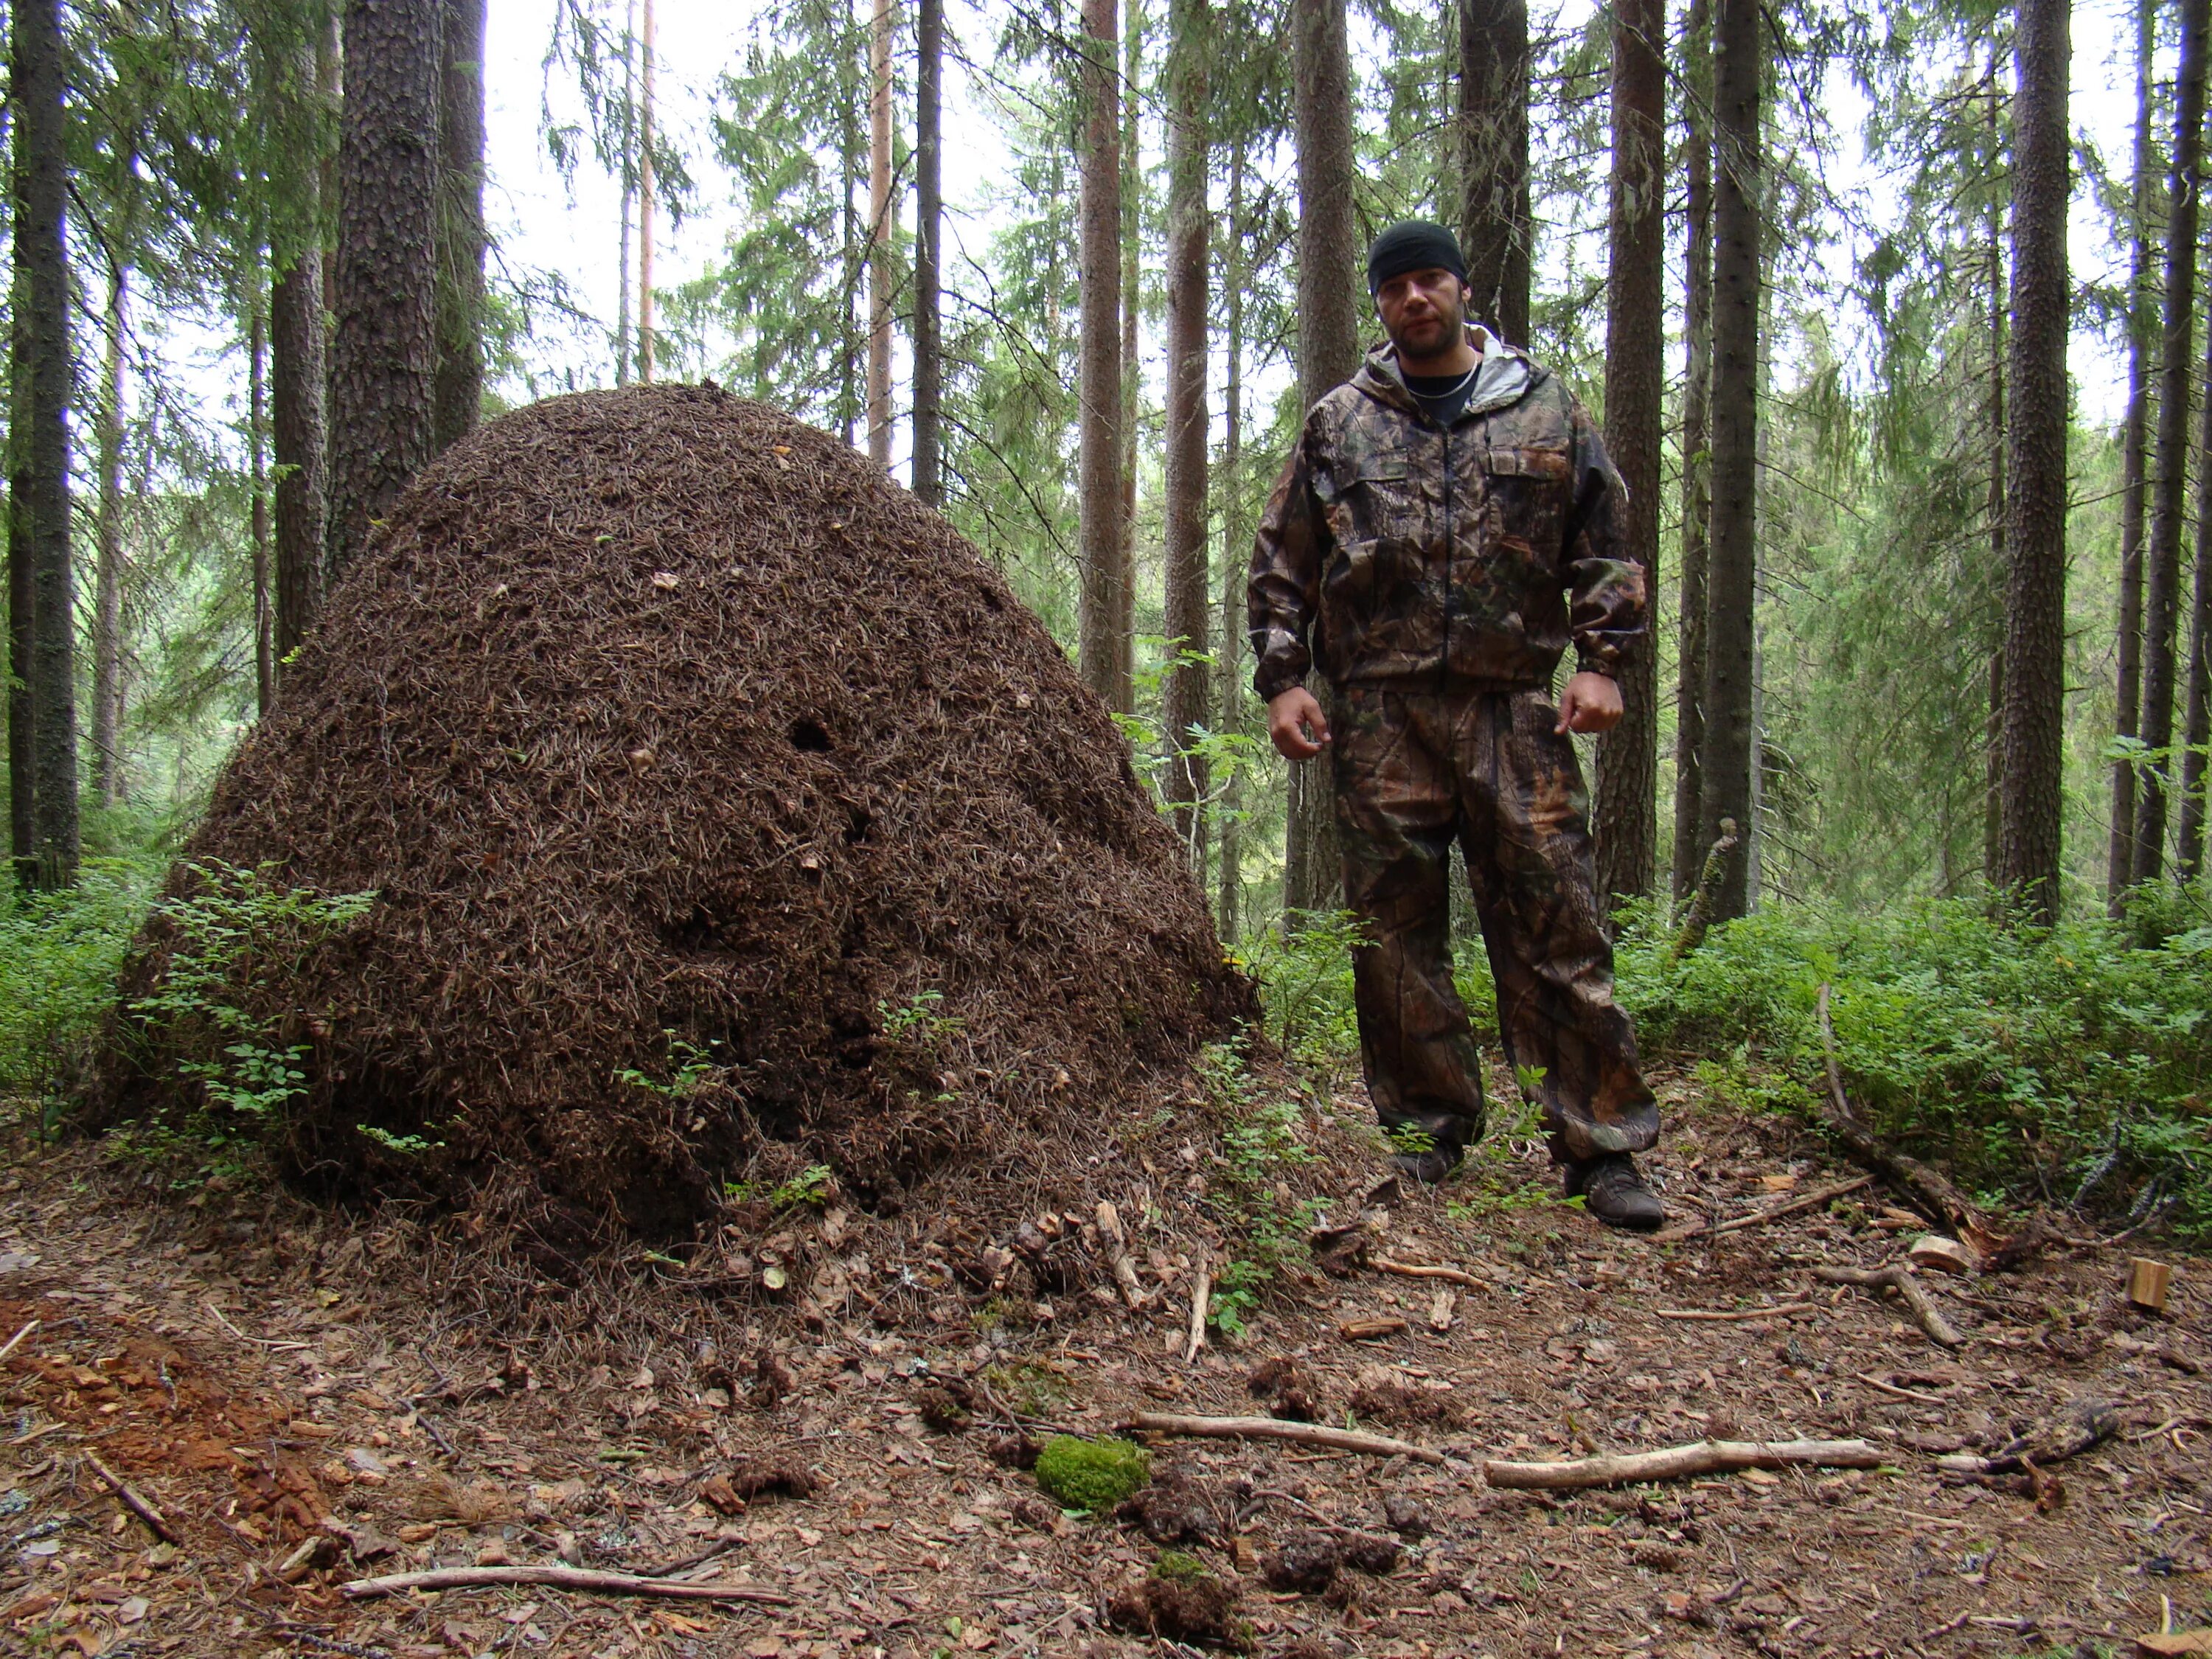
<point x="666" y="581"/>
<point x="2173" y="1642"/>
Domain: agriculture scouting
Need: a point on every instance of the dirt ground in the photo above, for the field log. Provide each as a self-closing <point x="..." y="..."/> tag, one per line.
<point x="281" y="1392"/>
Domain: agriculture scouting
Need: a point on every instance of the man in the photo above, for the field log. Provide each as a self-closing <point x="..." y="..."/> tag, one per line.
<point x="1448" y="521"/>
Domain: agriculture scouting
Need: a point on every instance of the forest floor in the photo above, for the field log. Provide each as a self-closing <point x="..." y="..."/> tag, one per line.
<point x="264" y="1384"/>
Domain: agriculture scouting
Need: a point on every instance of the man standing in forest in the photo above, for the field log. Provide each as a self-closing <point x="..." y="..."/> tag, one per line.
<point x="1448" y="520"/>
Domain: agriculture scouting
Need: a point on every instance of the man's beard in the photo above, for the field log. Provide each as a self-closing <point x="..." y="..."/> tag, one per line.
<point x="1432" y="340"/>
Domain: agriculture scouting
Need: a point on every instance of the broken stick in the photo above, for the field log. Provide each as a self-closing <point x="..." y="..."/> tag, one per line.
<point x="1932" y="1191"/>
<point x="1117" y="1254"/>
<point x="1200" y="1293"/>
<point x="573" y="1578"/>
<point x="1699" y="1457"/>
<point x="1730" y="1316"/>
<point x="1898" y="1278"/>
<point x="1269" y="1428"/>
<point x="28" y="1328"/>
<point x="135" y="1501"/>
<point x="1424" y="1270"/>
<point x="1809" y="1201"/>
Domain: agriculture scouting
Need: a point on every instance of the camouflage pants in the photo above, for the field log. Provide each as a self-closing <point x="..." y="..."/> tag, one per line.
<point x="1414" y="771"/>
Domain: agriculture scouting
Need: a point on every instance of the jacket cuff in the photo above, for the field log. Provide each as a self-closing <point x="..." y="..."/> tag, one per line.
<point x="1271" y="681"/>
<point x="1587" y="664"/>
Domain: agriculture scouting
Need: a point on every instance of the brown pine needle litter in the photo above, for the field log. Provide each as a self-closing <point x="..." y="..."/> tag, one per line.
<point x="678" y="742"/>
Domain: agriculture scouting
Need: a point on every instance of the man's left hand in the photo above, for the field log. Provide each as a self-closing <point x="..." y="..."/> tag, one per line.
<point x="1591" y="702"/>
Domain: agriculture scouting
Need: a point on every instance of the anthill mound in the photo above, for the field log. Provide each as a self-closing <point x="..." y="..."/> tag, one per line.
<point x="716" y="795"/>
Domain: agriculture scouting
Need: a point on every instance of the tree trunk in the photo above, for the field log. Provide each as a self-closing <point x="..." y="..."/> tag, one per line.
<point x="1697" y="491"/>
<point x="459" y="395"/>
<point x="385" y="350"/>
<point x="1187" y="691"/>
<point x="2197" y="717"/>
<point x="1329" y="356"/>
<point x="852" y="156"/>
<point x="2035" y="459"/>
<point x="1994" y="504"/>
<point x="879" y="232"/>
<point x="1230" y="902"/>
<point x="2169" y="464"/>
<point x="646" y="324"/>
<point x="107" y="591"/>
<point x="1727" y="757"/>
<point x="629" y="191"/>
<point x="330" y="92"/>
<point x="257" y="445"/>
<point x="2142" y="333"/>
<point x="929" y="214"/>
<point x="296" y="357"/>
<point x="38" y="482"/>
<point x="1132" y="385"/>
<point x="1625" y="808"/>
<point x="1493" y="155"/>
<point x="1099" y="379"/>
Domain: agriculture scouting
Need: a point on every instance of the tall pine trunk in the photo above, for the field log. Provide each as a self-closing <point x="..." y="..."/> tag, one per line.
<point x="2142" y="336"/>
<point x="1133" y="382"/>
<point x="1994" y="499"/>
<point x="2197" y="717"/>
<point x="1495" y="221"/>
<point x="1625" y="808"/>
<point x="1229" y="908"/>
<point x="1187" y="690"/>
<point x="458" y="394"/>
<point x="1099" y="372"/>
<point x="384" y="351"/>
<point x="2035" y="461"/>
<point x="879" y="232"/>
<point x="108" y="578"/>
<point x="2169" y="461"/>
<point x="929" y="216"/>
<point x="629" y="194"/>
<point x="1697" y="489"/>
<point x="1329" y="356"/>
<point x="41" y="579"/>
<point x="1729" y="750"/>
<point x="257" y="444"/>
<point x="647" y="326"/>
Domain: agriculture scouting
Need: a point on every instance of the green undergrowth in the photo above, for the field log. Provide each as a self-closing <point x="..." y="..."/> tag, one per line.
<point x="2037" y="1065"/>
<point x="59" y="955"/>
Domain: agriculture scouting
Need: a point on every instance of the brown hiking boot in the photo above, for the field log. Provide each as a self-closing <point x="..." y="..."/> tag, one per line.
<point x="1614" y="1193"/>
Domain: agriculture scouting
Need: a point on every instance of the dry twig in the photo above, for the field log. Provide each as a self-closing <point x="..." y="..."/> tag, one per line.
<point x="28" y="1327"/>
<point x="1675" y="1462"/>
<point x="1898" y="1278"/>
<point x="1730" y="1316"/>
<point x="573" y="1578"/>
<point x="1202" y="1290"/>
<point x="1809" y="1201"/>
<point x="1270" y="1428"/>
<point x="135" y="1501"/>
<point x="1424" y="1270"/>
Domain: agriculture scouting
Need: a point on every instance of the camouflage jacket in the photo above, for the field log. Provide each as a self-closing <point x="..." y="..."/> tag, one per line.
<point x="1462" y="557"/>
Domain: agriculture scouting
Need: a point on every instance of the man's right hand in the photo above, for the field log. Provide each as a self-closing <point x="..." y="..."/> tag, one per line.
<point x="1296" y="724"/>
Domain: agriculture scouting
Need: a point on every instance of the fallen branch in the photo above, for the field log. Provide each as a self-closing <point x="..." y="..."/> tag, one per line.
<point x="1707" y="893"/>
<point x="1925" y="1186"/>
<point x="1269" y="1428"/>
<point x="1900" y="1279"/>
<point x="1117" y="1256"/>
<point x="1809" y="1201"/>
<point x="572" y="1578"/>
<point x="135" y="1501"/>
<point x="1729" y="1315"/>
<point x="1896" y="1393"/>
<point x="2052" y="1441"/>
<point x="1201" y="1292"/>
<point x="1699" y="1457"/>
<point x="1424" y="1270"/>
<point x="28" y="1328"/>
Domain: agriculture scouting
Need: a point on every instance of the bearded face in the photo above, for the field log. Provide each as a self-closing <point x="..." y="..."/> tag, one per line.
<point x="1424" y="311"/>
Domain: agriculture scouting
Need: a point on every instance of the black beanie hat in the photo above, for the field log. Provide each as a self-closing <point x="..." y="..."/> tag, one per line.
<point x="1414" y="245"/>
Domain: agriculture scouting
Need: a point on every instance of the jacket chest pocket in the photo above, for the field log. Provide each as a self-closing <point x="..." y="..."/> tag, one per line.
<point x="1526" y="489"/>
<point x="1371" y="498"/>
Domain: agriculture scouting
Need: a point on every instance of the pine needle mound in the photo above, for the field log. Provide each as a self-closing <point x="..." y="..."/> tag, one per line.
<point x="717" y="796"/>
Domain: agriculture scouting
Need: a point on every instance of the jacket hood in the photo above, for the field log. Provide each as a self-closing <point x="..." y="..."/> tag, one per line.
<point x="1502" y="377"/>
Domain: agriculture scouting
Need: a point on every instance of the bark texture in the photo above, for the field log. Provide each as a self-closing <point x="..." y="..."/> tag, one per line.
<point x="879" y="232"/>
<point x="1727" y="754"/>
<point x="2142" y="340"/>
<point x="1189" y="692"/>
<point x="41" y="583"/>
<point x="1625" y="807"/>
<point x="384" y="351"/>
<point x="459" y="397"/>
<point x="257" y="444"/>
<point x="108" y="578"/>
<point x="2197" y="696"/>
<point x="297" y="437"/>
<point x="1493" y="157"/>
<point x="1099" y="387"/>
<point x="1329" y="356"/>
<point x="2035" y="457"/>
<point x="929" y="226"/>
<point x="2169" y="461"/>
<point x="1236" y="539"/>
<point x="1697" y="487"/>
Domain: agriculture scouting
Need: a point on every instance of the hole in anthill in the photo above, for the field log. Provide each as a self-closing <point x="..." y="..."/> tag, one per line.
<point x="858" y="822"/>
<point x="807" y="735"/>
